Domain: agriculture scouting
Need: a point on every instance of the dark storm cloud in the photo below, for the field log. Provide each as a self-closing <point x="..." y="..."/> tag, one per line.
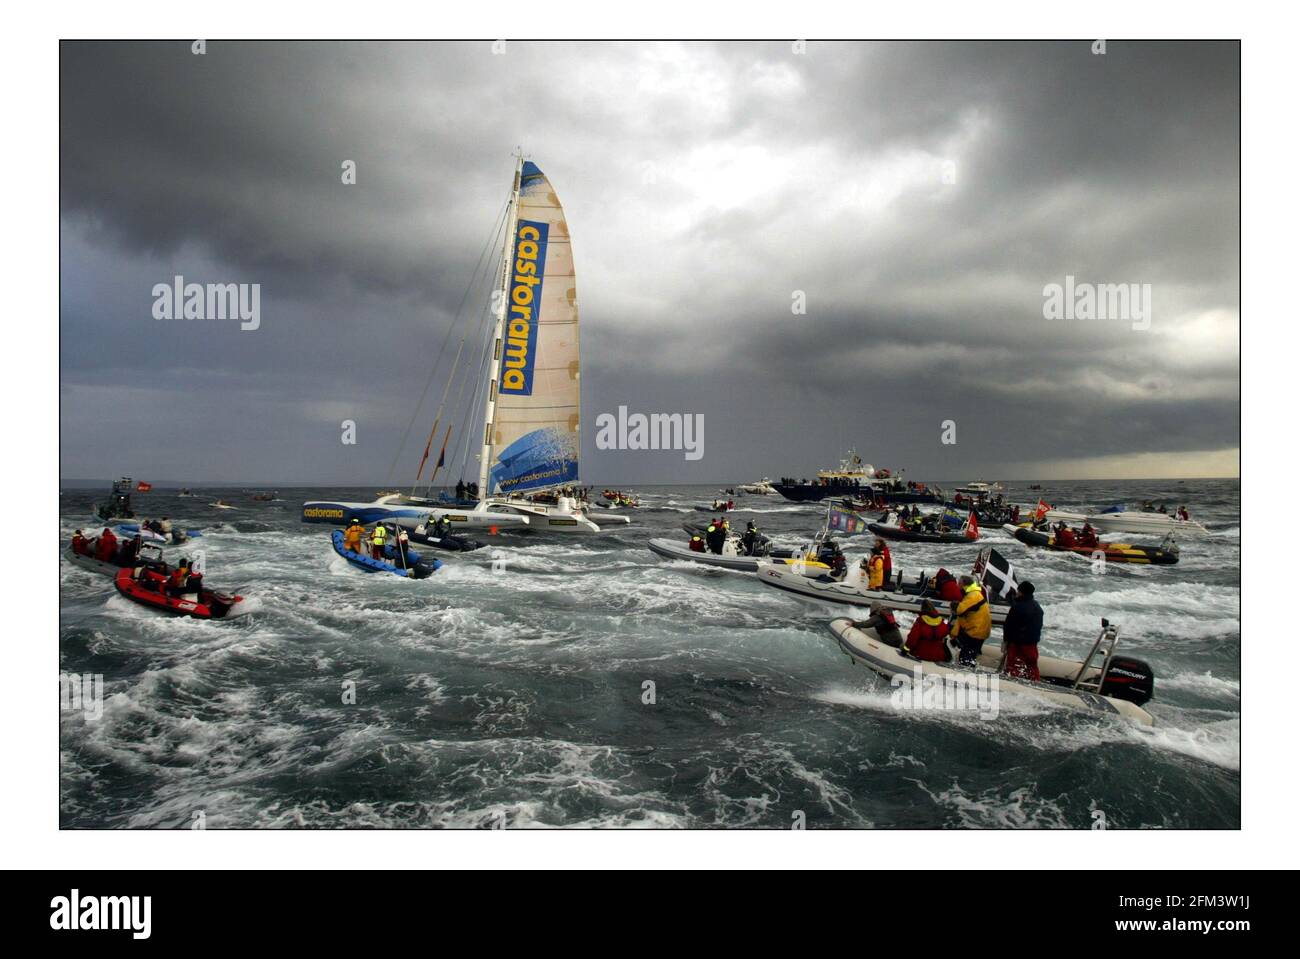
<point x="704" y="185"/>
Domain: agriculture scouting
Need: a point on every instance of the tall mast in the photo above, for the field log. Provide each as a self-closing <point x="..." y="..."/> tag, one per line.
<point x="494" y="369"/>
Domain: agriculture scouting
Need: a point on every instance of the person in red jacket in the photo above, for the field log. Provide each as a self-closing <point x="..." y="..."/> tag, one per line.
<point x="946" y="585"/>
<point x="1065" y="537"/>
<point x="928" y="638"/>
<point x="106" y="548"/>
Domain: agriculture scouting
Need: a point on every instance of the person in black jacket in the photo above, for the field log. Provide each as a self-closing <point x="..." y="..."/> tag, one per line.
<point x="1021" y="633"/>
<point x="715" y="535"/>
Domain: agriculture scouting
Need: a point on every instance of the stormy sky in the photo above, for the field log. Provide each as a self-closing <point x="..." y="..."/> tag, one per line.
<point x="919" y="197"/>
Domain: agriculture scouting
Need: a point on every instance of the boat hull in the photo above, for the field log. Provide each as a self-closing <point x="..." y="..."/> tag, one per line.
<point x="1132" y="553"/>
<point x="851" y="592"/>
<point x="668" y="549"/>
<point x="417" y="567"/>
<point x="865" y="648"/>
<point x="816" y="492"/>
<point x="550" y="519"/>
<point x="336" y="513"/>
<point x="205" y="605"/>
<point x="911" y="536"/>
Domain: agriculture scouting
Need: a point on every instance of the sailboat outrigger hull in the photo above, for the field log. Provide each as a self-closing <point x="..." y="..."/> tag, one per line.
<point x="408" y="515"/>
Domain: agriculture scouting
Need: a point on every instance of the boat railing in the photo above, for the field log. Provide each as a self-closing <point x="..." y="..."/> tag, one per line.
<point x="1104" y="646"/>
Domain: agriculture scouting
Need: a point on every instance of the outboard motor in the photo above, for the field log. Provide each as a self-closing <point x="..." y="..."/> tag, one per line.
<point x="1130" y="679"/>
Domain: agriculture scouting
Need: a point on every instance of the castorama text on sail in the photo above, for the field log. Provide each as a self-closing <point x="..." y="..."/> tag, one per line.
<point x="524" y="306"/>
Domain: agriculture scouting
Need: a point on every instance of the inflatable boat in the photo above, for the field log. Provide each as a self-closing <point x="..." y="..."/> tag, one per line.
<point x="1161" y="555"/>
<point x="853" y="591"/>
<point x="152" y="536"/>
<point x="1103" y="683"/>
<point x="150" y="555"/>
<point x="919" y="536"/>
<point x="416" y="566"/>
<point x="732" y="558"/>
<point x="147" y="587"/>
<point x="450" y="542"/>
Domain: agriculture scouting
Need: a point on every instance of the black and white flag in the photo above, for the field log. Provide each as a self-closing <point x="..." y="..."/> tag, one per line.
<point x="993" y="571"/>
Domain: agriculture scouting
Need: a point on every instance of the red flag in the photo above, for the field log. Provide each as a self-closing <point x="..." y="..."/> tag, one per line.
<point x="442" y="455"/>
<point x="1041" y="511"/>
<point x="972" y="527"/>
<point x="143" y="487"/>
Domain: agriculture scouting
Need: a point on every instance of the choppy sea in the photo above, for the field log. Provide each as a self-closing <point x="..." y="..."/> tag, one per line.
<point x="511" y="687"/>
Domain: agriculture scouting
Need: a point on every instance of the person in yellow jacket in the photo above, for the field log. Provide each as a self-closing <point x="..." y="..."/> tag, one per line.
<point x="876" y="570"/>
<point x="377" y="540"/>
<point x="971" y="621"/>
<point x="352" y="536"/>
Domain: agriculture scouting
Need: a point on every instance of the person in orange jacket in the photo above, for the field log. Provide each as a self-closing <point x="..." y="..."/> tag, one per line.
<point x="353" y="535"/>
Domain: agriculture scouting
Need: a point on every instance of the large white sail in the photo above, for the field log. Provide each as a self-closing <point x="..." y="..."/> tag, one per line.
<point x="534" y="435"/>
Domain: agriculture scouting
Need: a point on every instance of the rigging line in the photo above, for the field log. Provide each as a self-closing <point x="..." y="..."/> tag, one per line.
<point x="455" y="369"/>
<point x="460" y="393"/>
<point x="415" y="411"/>
<point x="480" y="385"/>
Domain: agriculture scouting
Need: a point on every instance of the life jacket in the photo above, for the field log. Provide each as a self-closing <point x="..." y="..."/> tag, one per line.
<point x="926" y="640"/>
<point x="177" y="579"/>
<point x="379" y="536"/>
<point x="973" y="617"/>
<point x="875" y="572"/>
<point x="697" y="543"/>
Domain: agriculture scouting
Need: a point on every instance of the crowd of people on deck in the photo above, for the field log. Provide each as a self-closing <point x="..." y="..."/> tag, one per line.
<point x="355" y="540"/>
<point x="108" y="547"/>
<point x="1085" y="538"/>
<point x="967" y="626"/>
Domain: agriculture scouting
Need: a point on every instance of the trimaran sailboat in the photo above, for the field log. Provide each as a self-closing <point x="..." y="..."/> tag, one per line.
<point x="531" y="409"/>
